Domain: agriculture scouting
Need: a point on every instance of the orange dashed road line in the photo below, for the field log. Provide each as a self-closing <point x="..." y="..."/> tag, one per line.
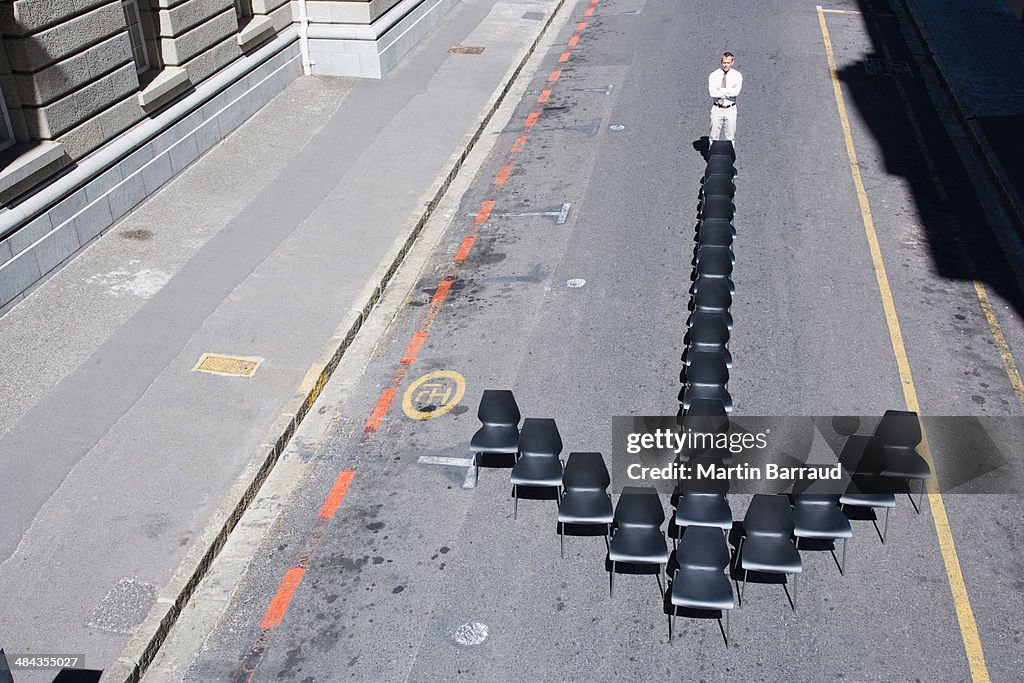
<point x="413" y="350"/>
<point x="467" y="246"/>
<point x="554" y="75"/>
<point x="574" y="40"/>
<point x="580" y="26"/>
<point x="337" y="494"/>
<point x="484" y="212"/>
<point x="518" y="144"/>
<point x="532" y="118"/>
<point x="564" y="57"/>
<point x="589" y="12"/>
<point x="503" y="175"/>
<point x="544" y="96"/>
<point x="285" y="592"/>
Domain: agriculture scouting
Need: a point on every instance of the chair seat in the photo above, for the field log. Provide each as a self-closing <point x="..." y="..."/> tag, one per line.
<point x="703" y="510"/>
<point x="644" y="545"/>
<point x="537" y="470"/>
<point x="821" y="521"/>
<point x="495" y="439"/>
<point x="702" y="589"/>
<point x="775" y="554"/>
<point x="703" y="548"/>
<point x="695" y="392"/>
<point x="869" y="500"/>
<point x="905" y="463"/>
<point x="586" y="506"/>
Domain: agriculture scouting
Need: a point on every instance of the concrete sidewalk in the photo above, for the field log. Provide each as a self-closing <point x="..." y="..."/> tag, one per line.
<point x="978" y="50"/>
<point x="124" y="469"/>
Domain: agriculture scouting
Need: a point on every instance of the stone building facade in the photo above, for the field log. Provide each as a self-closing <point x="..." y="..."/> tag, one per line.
<point x="104" y="101"/>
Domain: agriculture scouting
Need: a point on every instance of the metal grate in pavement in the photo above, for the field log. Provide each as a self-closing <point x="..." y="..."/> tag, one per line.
<point x="220" y="364"/>
<point x="887" y="67"/>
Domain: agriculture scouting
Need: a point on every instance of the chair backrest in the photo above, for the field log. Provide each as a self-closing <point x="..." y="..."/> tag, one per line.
<point x="703" y="548"/>
<point x="639" y="506"/>
<point x="498" y="407"/>
<point x="708" y="327"/>
<point x="899" y="428"/>
<point x="716" y="225"/>
<point x="711" y="294"/>
<point x="714" y="261"/>
<point x="717" y="207"/>
<point x="862" y="455"/>
<point x="769" y="515"/>
<point x="705" y="407"/>
<point x="707" y="367"/>
<point x="722" y="148"/>
<point x="539" y="436"/>
<point x="718" y="185"/>
<point x="718" y="164"/>
<point x="585" y="471"/>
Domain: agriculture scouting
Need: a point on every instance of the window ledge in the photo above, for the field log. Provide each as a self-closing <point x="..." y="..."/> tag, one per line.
<point x="171" y="81"/>
<point x="26" y="164"/>
<point x="255" y="32"/>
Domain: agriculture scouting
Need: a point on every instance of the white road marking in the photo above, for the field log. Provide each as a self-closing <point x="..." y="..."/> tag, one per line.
<point x="470" y="634"/>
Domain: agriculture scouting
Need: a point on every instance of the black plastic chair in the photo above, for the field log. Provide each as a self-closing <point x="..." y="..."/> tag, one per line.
<point x="716" y="232"/>
<point x="719" y="164"/>
<point x="705" y="407"/>
<point x="699" y="580"/>
<point x="722" y="148"/>
<point x="718" y="185"/>
<point x="707" y="376"/>
<point x="500" y="431"/>
<point x="714" y="262"/>
<point x="717" y="207"/>
<point x="818" y="517"/>
<point x="712" y="295"/>
<point x="766" y="545"/>
<point x="899" y="432"/>
<point x="708" y="332"/>
<point x="538" y="464"/>
<point x="637" y="537"/>
<point x="585" y="498"/>
<point x="863" y="459"/>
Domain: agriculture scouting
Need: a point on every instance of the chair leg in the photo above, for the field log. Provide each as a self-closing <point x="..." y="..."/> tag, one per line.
<point x="611" y="582"/>
<point x="476" y="464"/>
<point x="561" y="540"/>
<point x="795" y="577"/>
<point x="671" y="624"/>
<point x="885" y="527"/>
<point x="742" y="586"/>
<point x="727" y="627"/>
<point x="920" y="497"/>
<point x="842" y="567"/>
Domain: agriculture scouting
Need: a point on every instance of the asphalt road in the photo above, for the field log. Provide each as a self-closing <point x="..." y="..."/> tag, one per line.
<point x="418" y="577"/>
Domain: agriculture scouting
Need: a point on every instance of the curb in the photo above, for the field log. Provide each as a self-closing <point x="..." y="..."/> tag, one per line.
<point x="1012" y="201"/>
<point x="141" y="650"/>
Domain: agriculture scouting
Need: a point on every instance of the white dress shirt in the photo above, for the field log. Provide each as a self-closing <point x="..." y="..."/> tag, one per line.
<point x="733" y="83"/>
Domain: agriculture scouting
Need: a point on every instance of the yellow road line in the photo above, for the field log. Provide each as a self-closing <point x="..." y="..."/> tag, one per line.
<point x="961" y="601"/>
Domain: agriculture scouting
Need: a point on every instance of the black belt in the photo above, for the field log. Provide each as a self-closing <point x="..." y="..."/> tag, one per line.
<point x="724" y="106"/>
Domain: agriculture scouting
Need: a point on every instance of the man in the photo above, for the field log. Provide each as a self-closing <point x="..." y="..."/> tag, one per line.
<point x="724" y="85"/>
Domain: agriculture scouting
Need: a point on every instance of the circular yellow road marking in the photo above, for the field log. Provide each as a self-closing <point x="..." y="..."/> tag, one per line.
<point x="433" y="394"/>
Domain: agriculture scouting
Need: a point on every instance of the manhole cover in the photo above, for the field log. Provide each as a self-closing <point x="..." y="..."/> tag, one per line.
<point x="465" y="50"/>
<point x="887" y="67"/>
<point x="219" y="364"/>
<point x="124" y="608"/>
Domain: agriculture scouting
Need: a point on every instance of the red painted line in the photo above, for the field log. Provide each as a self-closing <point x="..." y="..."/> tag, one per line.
<point x="337" y="494"/>
<point x="574" y="40"/>
<point x="285" y="592"/>
<point x="544" y="96"/>
<point x="589" y="12"/>
<point x="442" y="291"/>
<point x="413" y="349"/>
<point x="564" y="57"/>
<point x="594" y="2"/>
<point x="485" y="211"/>
<point x="467" y="246"/>
<point x="503" y="175"/>
<point x="554" y="75"/>
<point x="580" y="26"/>
<point x="532" y="118"/>
<point x="518" y="144"/>
<point x="380" y="410"/>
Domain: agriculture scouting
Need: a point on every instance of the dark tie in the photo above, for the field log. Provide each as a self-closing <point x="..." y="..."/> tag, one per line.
<point x="723" y="80"/>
